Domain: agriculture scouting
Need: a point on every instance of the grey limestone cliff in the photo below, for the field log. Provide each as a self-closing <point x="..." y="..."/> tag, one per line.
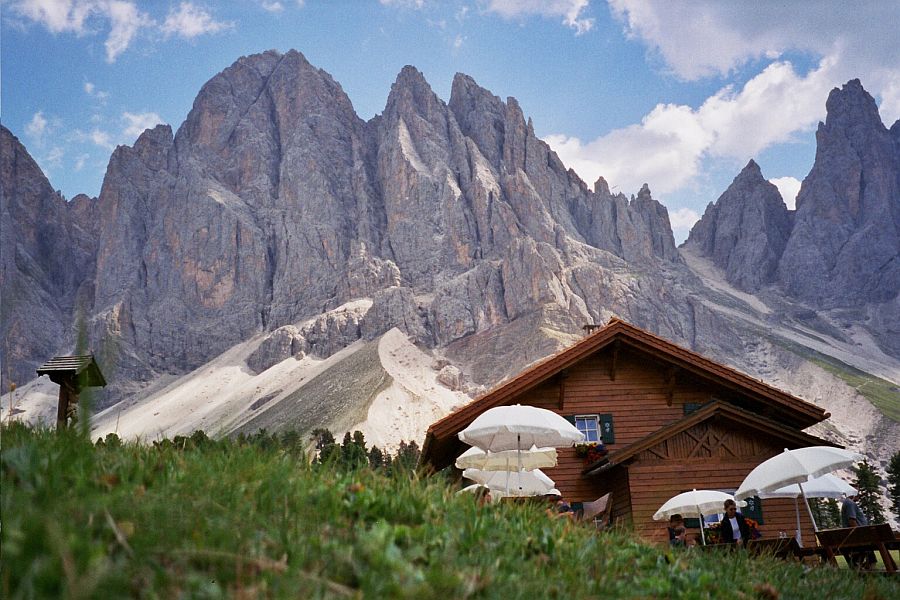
<point x="745" y="231"/>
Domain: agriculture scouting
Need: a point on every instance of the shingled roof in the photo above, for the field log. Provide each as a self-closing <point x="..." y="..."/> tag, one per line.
<point x="82" y="367"/>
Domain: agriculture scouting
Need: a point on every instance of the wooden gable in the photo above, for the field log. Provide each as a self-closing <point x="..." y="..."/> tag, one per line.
<point x="716" y="432"/>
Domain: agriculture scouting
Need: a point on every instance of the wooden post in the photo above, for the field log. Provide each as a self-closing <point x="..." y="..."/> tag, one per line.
<point x="563" y="375"/>
<point x="615" y="360"/>
<point x="68" y="403"/>
<point x="670" y="384"/>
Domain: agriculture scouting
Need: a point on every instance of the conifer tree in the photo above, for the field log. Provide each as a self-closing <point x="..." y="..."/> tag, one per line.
<point x="353" y="451"/>
<point x="867" y="482"/>
<point x="893" y="471"/>
<point x="325" y="445"/>
<point x="832" y="513"/>
<point x="376" y="457"/>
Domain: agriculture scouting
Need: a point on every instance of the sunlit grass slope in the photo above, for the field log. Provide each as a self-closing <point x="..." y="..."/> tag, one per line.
<point x="256" y="520"/>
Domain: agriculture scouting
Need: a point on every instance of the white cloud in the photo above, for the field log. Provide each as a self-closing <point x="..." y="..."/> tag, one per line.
<point x="789" y="188"/>
<point x="272" y="6"/>
<point x="73" y="16"/>
<point x="569" y="10"/>
<point x="125" y="21"/>
<point x="190" y="21"/>
<point x="36" y="128"/>
<point x="80" y="161"/>
<point x="682" y="220"/>
<point x="858" y="39"/>
<point x="458" y="41"/>
<point x="668" y="147"/>
<point x="54" y="157"/>
<point x="91" y="90"/>
<point x="136" y="123"/>
<point x="101" y="138"/>
<point x="57" y="15"/>
<point x="416" y="4"/>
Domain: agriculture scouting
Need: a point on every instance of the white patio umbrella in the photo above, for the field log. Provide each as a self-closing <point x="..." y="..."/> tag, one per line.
<point x="826" y="486"/>
<point x="796" y="466"/>
<point x="506" y="460"/>
<point x="695" y="503"/>
<point x="518" y="428"/>
<point x="530" y="483"/>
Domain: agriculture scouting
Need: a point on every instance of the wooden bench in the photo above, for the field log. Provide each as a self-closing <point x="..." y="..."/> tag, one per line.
<point x="866" y="538"/>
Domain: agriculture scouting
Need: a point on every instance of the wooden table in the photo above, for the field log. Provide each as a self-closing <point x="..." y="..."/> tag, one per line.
<point x="786" y="548"/>
<point x="867" y="538"/>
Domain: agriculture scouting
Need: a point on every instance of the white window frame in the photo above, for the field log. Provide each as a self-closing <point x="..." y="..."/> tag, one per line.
<point x="597" y="427"/>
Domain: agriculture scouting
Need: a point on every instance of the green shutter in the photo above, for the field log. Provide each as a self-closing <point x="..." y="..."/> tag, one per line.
<point x="570" y="419"/>
<point x="607" y="433"/>
<point x="753" y="510"/>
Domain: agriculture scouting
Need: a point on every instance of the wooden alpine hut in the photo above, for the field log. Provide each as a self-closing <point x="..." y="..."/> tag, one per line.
<point x="668" y="419"/>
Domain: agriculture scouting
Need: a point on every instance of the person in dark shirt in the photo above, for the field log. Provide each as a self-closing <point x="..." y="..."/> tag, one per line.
<point x="853" y="516"/>
<point x="734" y="528"/>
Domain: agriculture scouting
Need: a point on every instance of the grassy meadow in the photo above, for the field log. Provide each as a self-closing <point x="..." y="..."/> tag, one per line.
<point x="248" y="519"/>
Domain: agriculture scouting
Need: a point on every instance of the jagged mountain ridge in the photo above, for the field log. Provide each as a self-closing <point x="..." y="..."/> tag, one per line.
<point x="840" y="249"/>
<point x="274" y="202"/>
<point x="274" y="208"/>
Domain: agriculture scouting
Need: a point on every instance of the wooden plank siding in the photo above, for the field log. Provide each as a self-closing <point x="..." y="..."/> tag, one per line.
<point x="651" y="485"/>
<point x="637" y="400"/>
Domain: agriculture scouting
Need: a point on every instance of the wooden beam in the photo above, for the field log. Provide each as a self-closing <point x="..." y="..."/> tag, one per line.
<point x="68" y="402"/>
<point x="615" y="360"/>
<point x="563" y="375"/>
<point x="670" y="384"/>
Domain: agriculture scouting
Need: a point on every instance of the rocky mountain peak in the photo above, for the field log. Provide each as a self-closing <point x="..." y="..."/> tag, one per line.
<point x="745" y="231"/>
<point x="412" y="94"/>
<point x="852" y="106"/>
<point x="601" y="187"/>
<point x="844" y="249"/>
<point x="751" y="170"/>
<point x="644" y="193"/>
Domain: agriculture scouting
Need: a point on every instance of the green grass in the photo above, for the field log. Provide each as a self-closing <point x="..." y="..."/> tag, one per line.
<point x="230" y="520"/>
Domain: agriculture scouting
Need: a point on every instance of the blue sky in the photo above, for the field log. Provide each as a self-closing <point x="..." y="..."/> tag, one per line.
<point x="678" y="95"/>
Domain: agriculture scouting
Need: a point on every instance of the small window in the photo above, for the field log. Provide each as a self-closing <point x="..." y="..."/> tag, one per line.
<point x="589" y="425"/>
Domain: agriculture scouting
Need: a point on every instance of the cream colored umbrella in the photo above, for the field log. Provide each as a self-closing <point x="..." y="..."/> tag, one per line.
<point x="507" y="460"/>
<point x="529" y="483"/>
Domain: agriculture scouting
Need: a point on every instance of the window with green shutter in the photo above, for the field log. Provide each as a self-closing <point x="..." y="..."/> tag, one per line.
<point x="592" y="425"/>
<point x="607" y="432"/>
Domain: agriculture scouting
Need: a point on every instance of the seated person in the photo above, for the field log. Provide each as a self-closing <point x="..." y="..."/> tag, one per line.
<point x="734" y="528"/>
<point x="562" y="510"/>
<point x="676" y="522"/>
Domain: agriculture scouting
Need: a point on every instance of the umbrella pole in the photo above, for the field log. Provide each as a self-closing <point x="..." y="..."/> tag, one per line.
<point x="507" y="474"/>
<point x="702" y="536"/>
<point x="806" y="501"/>
<point x="519" y="460"/>
<point x="799" y="533"/>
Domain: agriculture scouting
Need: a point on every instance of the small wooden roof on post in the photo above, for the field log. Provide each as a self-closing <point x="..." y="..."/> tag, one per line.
<point x="72" y="374"/>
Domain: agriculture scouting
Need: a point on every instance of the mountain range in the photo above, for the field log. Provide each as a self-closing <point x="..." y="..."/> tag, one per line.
<point x="279" y="262"/>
